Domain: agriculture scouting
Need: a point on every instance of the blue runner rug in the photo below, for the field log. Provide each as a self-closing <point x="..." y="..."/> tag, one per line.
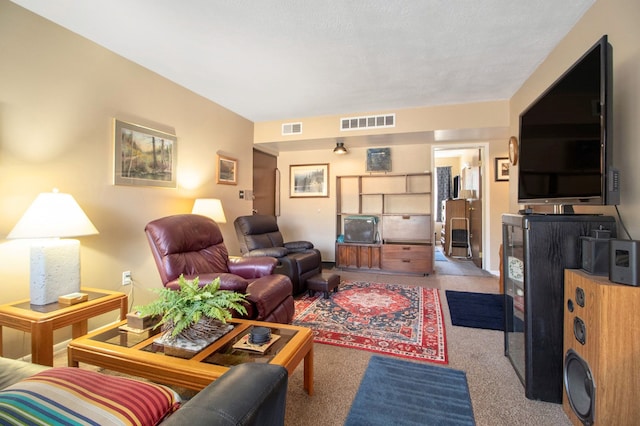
<point x="478" y="310"/>
<point x="397" y="392"/>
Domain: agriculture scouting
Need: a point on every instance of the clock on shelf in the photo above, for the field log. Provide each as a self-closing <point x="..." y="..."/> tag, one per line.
<point x="513" y="150"/>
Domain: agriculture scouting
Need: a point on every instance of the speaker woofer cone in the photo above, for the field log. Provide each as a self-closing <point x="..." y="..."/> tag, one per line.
<point x="580" y="388"/>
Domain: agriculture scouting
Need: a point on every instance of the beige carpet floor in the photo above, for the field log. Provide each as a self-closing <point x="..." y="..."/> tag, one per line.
<point x="496" y="392"/>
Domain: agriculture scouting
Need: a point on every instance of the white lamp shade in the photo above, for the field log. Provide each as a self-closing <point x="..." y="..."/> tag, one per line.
<point x="53" y="215"/>
<point x="210" y="207"/>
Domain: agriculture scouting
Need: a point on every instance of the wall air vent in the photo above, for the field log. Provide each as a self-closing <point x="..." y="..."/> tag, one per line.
<point x="369" y="122"/>
<point x="292" y="128"/>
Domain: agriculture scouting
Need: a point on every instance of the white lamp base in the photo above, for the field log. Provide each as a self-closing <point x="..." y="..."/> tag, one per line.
<point x="55" y="270"/>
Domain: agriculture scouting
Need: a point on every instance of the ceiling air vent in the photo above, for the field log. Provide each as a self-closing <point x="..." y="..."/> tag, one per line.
<point x="292" y="128"/>
<point x="369" y="122"/>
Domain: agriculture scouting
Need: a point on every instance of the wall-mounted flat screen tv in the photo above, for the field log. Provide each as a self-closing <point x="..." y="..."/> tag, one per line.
<point x="565" y="148"/>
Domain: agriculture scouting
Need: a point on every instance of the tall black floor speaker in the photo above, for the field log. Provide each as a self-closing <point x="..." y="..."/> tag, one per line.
<point x="601" y="371"/>
<point x="536" y="251"/>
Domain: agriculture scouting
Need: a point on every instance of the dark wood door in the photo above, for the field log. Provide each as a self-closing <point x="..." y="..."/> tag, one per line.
<point x="264" y="183"/>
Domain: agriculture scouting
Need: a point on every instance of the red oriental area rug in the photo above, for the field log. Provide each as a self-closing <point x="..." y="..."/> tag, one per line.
<point x="391" y="319"/>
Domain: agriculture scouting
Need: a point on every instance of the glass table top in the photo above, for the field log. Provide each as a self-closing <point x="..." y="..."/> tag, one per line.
<point x="227" y="355"/>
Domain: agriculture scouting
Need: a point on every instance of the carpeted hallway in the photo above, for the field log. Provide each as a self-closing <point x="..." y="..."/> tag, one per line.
<point x="448" y="265"/>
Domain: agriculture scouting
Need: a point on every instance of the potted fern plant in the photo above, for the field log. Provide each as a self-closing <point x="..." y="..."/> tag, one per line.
<point x="195" y="312"/>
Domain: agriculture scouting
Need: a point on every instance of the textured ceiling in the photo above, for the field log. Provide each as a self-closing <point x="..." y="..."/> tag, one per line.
<point x="283" y="59"/>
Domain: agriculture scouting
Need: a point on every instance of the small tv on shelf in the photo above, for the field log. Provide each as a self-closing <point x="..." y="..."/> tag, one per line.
<point x="565" y="148"/>
<point x="361" y="229"/>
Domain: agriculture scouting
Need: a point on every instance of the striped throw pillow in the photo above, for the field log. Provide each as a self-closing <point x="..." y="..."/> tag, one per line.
<point x="65" y="395"/>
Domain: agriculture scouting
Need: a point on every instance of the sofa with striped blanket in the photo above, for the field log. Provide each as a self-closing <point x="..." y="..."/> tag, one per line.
<point x="36" y="395"/>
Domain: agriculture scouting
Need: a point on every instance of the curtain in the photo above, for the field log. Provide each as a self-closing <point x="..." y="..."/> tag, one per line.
<point x="443" y="189"/>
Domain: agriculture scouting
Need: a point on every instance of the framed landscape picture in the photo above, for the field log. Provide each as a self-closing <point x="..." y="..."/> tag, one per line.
<point x="143" y="156"/>
<point x="227" y="170"/>
<point x="309" y="180"/>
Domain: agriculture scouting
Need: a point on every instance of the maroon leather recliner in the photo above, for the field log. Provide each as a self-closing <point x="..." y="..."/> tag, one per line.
<point x="192" y="245"/>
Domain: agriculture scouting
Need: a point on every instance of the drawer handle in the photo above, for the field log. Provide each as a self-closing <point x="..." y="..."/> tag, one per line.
<point x="406" y="261"/>
<point x="406" y="217"/>
<point x="406" y="248"/>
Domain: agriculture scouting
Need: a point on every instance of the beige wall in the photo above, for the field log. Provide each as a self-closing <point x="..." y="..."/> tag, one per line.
<point x="618" y="19"/>
<point x="493" y="114"/>
<point x="58" y="96"/>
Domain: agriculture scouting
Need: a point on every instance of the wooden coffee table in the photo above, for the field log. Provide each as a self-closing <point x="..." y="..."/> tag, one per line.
<point x="136" y="354"/>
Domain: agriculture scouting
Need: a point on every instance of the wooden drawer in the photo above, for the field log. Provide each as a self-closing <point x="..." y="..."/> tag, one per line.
<point x="406" y="251"/>
<point x="406" y="227"/>
<point x="407" y="265"/>
<point x="407" y="258"/>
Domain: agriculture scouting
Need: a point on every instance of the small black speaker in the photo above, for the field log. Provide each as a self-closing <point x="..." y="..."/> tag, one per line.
<point x="624" y="256"/>
<point x="595" y="254"/>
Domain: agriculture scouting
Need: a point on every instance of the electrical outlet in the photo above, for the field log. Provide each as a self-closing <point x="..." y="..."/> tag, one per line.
<point x="126" y="278"/>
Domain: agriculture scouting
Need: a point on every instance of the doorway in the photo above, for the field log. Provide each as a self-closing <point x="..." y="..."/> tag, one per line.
<point x="462" y="169"/>
<point x="265" y="181"/>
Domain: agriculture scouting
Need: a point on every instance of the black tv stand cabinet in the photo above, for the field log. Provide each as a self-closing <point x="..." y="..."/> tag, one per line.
<point x="536" y="251"/>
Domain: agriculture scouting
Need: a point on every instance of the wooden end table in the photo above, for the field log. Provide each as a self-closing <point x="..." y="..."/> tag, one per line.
<point x="41" y="321"/>
<point x="135" y="353"/>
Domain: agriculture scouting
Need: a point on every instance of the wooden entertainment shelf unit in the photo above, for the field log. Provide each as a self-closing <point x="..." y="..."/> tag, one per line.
<point x="402" y="204"/>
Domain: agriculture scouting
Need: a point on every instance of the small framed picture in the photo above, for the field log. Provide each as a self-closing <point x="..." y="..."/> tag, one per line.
<point x="379" y="159"/>
<point x="227" y="170"/>
<point x="502" y="169"/>
<point x="309" y="180"/>
<point x="143" y="156"/>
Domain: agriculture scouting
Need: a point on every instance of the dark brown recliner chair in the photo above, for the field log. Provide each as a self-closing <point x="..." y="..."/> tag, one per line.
<point x="259" y="235"/>
<point x="192" y="245"/>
